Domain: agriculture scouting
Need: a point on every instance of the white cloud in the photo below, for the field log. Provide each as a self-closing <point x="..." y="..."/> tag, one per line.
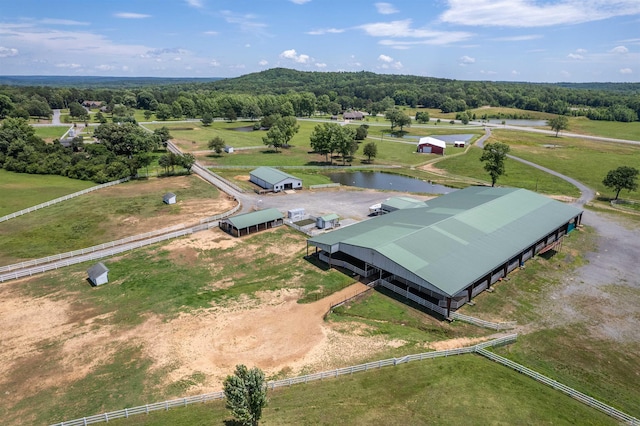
<point x="5" y="52"/>
<point x="518" y="38"/>
<point x="402" y="29"/>
<point x="211" y="33"/>
<point x="214" y="63"/>
<point x="388" y="62"/>
<point x="263" y="63"/>
<point x="71" y="66"/>
<point x="195" y="3"/>
<point x="575" y="56"/>
<point x="299" y="1"/>
<point x="325" y="31"/>
<point x="104" y="67"/>
<point x="581" y="50"/>
<point x="514" y="72"/>
<point x="49" y="21"/>
<point x="565" y="74"/>
<point x="386" y="8"/>
<point x="488" y="72"/>
<point x="293" y="55"/>
<point x="321" y="65"/>
<point x="535" y="13"/>
<point x="129" y="15"/>
<point x="619" y="49"/>
<point x="467" y="60"/>
<point x="246" y="22"/>
<point x="626" y="71"/>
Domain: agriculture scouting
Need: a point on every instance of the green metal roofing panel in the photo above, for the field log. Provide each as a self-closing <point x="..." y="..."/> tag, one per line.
<point x="246" y="220"/>
<point x="402" y="203"/>
<point x="459" y="237"/>
<point x="271" y="175"/>
<point x="329" y="217"/>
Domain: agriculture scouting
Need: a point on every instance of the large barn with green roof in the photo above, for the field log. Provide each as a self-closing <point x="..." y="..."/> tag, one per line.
<point x="444" y="253"/>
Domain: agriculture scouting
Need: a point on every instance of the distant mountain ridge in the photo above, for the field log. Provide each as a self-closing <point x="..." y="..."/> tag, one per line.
<point x="95" y="82"/>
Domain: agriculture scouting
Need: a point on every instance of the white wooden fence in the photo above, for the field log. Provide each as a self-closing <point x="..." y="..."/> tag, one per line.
<point x="182" y="402"/>
<point x="107" y="249"/>
<point x="585" y="399"/>
<point x="483" y="323"/>
<point x="60" y="199"/>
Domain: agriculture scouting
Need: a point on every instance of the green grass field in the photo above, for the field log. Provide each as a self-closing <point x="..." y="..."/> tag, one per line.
<point x="608" y="129"/>
<point x="98" y="217"/>
<point x="584" y="160"/>
<point x="457" y="390"/>
<point x="50" y="133"/>
<point x="22" y="190"/>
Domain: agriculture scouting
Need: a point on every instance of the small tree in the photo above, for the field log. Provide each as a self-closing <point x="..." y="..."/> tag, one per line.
<point x="558" y="123"/>
<point x="207" y="119"/>
<point x="216" y="144"/>
<point x="422" y="117"/>
<point x="370" y="150"/>
<point x="246" y="394"/>
<point x="493" y="156"/>
<point x="623" y="177"/>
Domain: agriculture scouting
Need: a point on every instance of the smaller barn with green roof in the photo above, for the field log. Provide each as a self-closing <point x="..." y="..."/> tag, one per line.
<point x="248" y="223"/>
<point x="274" y="180"/>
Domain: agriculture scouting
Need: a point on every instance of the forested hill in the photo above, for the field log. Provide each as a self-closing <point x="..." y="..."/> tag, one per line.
<point x="96" y="82"/>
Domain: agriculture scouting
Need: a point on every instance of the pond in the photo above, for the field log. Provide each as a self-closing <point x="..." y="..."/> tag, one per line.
<point x="513" y="122"/>
<point x="379" y="180"/>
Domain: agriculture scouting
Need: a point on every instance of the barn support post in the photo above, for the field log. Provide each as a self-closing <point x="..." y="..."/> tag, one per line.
<point x="448" y="307"/>
<point x="469" y="293"/>
<point x="307" y="248"/>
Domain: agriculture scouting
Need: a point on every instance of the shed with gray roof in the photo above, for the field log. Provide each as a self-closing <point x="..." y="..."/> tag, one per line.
<point x="274" y="180"/>
<point x="98" y="274"/>
<point x="454" y="246"/>
<point x="247" y="223"/>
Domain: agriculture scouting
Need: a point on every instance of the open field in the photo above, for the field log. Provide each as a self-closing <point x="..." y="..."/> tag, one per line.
<point x="105" y="215"/>
<point x="426" y="392"/>
<point x="608" y="129"/>
<point x="584" y="160"/>
<point x="516" y="174"/>
<point x="50" y="133"/>
<point x="22" y="190"/>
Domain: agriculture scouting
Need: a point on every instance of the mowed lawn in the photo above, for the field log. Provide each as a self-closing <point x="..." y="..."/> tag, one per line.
<point x="466" y="389"/>
<point x="23" y="190"/>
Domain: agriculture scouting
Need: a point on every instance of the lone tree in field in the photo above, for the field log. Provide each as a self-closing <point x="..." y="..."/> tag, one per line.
<point x="623" y="177"/>
<point x="558" y="123"/>
<point x="216" y="144"/>
<point x="370" y="150"/>
<point x="246" y="394"/>
<point x="493" y="156"/>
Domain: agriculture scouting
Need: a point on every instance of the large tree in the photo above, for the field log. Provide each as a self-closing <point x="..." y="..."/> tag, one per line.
<point x="246" y="394"/>
<point x="281" y="132"/>
<point x="126" y="138"/>
<point x="558" y="123"/>
<point x="494" y="156"/>
<point x="398" y="118"/>
<point x="321" y="140"/>
<point x="623" y="177"/>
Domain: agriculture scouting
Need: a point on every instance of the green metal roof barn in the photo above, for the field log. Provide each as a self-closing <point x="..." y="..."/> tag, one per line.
<point x="244" y="224"/>
<point x="454" y="246"/>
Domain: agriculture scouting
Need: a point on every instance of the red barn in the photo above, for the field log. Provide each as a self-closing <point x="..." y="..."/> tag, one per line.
<point x="429" y="145"/>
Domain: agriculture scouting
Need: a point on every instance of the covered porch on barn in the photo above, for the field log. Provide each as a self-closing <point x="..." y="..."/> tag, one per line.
<point x="249" y="223"/>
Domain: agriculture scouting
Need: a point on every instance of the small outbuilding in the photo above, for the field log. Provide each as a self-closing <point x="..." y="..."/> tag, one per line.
<point x="296" y="214"/>
<point x="328" y="221"/>
<point x="169" y="198"/>
<point x="98" y="274"/>
<point x="274" y="180"/>
<point x="429" y="145"/>
<point x="248" y="223"/>
<point x="228" y="149"/>
<point x="459" y="144"/>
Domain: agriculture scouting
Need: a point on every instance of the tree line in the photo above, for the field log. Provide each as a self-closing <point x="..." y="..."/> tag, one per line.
<point x="122" y="149"/>
<point x="298" y="93"/>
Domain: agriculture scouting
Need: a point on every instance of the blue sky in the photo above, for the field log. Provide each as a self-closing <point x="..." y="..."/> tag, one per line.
<point x="506" y="40"/>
